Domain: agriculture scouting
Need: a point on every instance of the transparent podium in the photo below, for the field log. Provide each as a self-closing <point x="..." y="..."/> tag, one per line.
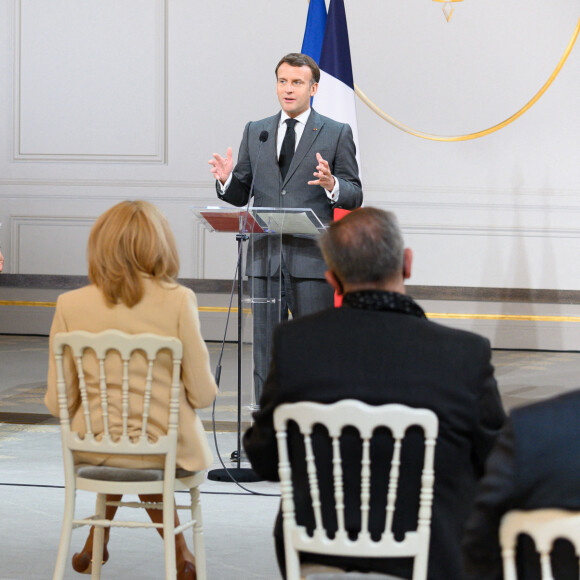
<point x="260" y="234"/>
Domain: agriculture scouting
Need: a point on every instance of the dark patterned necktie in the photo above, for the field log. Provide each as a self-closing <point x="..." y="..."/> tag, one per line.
<point x="288" y="146"/>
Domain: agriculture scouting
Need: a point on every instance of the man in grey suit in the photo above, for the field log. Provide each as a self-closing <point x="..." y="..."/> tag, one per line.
<point x="296" y="159"/>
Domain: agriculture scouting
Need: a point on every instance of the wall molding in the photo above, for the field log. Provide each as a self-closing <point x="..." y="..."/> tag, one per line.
<point x="471" y="199"/>
<point x="18" y="223"/>
<point x="445" y="190"/>
<point x="160" y="156"/>
<point x="160" y="197"/>
<point x="501" y="231"/>
<point x="130" y="183"/>
<point x="418" y="292"/>
<point x="189" y="192"/>
<point x="466" y="204"/>
<point x="419" y="229"/>
<point x="415" y="229"/>
<point x="200" y="236"/>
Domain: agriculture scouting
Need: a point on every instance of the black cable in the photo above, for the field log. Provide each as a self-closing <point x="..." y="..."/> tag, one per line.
<point x="47" y="486"/>
<point x="218" y="370"/>
<point x="234" y="480"/>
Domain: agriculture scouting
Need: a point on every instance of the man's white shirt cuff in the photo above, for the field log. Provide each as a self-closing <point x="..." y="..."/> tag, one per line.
<point x="333" y="195"/>
<point x="225" y="185"/>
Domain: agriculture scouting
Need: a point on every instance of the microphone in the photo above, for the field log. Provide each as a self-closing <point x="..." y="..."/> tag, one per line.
<point x="262" y="138"/>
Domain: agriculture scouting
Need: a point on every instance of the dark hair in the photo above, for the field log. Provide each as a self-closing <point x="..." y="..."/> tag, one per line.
<point x="364" y="246"/>
<point x="299" y="59"/>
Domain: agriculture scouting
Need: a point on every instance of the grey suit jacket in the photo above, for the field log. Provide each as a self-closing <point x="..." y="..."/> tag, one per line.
<point x="322" y="135"/>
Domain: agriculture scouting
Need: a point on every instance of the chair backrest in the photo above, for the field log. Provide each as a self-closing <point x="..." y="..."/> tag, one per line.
<point x="111" y="411"/>
<point x="544" y="526"/>
<point x="366" y="419"/>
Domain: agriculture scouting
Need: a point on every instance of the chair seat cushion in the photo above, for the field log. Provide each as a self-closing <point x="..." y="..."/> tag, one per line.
<point x="107" y="473"/>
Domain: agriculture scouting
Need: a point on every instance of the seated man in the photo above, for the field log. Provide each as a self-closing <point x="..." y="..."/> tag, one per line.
<point x="380" y="348"/>
<point x="535" y="464"/>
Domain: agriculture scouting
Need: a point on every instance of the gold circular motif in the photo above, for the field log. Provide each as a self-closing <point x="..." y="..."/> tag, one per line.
<point x="477" y="134"/>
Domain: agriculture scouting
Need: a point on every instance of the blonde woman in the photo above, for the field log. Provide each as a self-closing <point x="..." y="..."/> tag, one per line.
<point x="133" y="265"/>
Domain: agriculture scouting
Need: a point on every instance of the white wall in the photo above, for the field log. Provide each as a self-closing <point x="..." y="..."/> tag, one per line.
<point x="104" y="100"/>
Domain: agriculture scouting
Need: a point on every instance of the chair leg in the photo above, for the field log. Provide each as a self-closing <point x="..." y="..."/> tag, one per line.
<point x="292" y="563"/>
<point x="198" y="537"/>
<point x="509" y="564"/>
<point x="66" y="533"/>
<point x="99" y="537"/>
<point x="169" y="536"/>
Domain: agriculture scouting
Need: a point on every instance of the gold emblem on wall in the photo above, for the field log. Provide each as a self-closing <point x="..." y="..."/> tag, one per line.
<point x="447" y="11"/>
<point x="448" y="7"/>
<point x="450" y="138"/>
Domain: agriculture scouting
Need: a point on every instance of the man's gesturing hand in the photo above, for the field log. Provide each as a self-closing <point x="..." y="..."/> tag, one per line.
<point x="323" y="174"/>
<point x="221" y="167"/>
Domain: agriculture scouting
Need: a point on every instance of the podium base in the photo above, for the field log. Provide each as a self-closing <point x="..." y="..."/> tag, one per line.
<point x="241" y="474"/>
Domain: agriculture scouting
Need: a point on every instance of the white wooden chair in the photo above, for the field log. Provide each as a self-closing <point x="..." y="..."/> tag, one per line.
<point x="366" y="419"/>
<point x="544" y="526"/>
<point x="104" y="480"/>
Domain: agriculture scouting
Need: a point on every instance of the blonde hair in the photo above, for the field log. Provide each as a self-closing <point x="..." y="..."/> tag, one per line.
<point x="128" y="241"/>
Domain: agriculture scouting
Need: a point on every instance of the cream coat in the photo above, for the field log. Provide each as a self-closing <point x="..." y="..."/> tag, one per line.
<point x="165" y="310"/>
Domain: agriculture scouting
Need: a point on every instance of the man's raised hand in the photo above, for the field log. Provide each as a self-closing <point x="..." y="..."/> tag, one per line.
<point x="221" y="167"/>
<point x="323" y="174"/>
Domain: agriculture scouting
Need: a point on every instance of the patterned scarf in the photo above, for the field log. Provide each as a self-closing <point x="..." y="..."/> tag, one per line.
<point x="382" y="301"/>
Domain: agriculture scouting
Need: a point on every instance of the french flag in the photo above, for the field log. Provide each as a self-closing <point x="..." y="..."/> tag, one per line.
<point x="326" y="41"/>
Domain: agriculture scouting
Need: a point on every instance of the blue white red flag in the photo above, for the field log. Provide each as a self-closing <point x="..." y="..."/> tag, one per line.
<point x="314" y="32"/>
<point x="335" y="97"/>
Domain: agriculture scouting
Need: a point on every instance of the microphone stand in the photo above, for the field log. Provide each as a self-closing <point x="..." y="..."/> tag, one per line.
<point x="240" y="474"/>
